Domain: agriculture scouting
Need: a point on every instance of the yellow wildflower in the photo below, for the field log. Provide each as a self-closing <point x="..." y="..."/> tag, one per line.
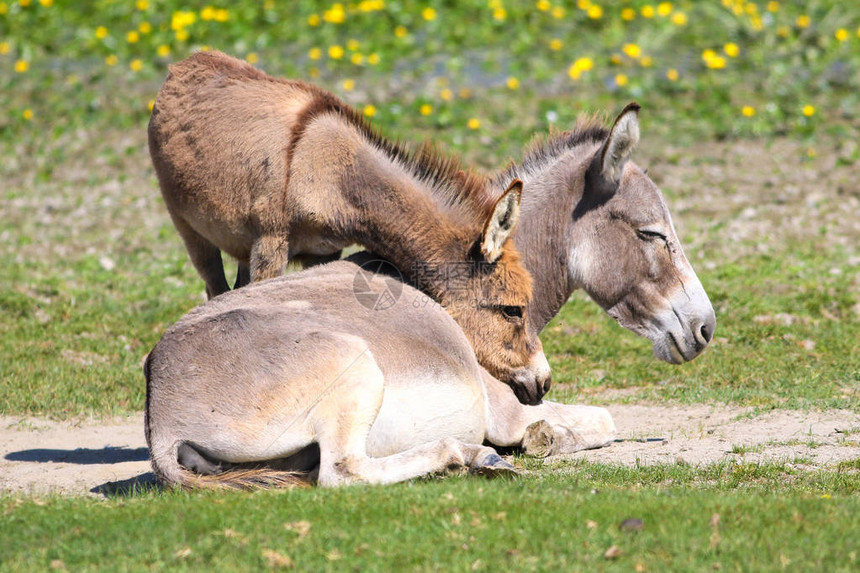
<point x="632" y="50"/>
<point x="446" y="95"/>
<point x="842" y="34"/>
<point x="369" y="110"/>
<point x="252" y="58"/>
<point x="672" y="74"/>
<point x="352" y="45"/>
<point x="132" y="37"/>
<point x="5" y="48"/>
<point x="425" y="109"/>
<point x="647" y="11"/>
<point x="373" y="59"/>
<point x="664" y="9"/>
<point x="621" y="80"/>
<point x="473" y="123"/>
<point x="207" y="14"/>
<point x="555" y="44"/>
<point x="783" y="31"/>
<point x="748" y="111"/>
<point x="583" y="4"/>
<point x="356" y="59"/>
<point x="315" y="53"/>
<point x="163" y="50"/>
<point x="731" y="49"/>
<point x="628" y="14"/>
<point x="348" y="85"/>
<point x="679" y="19"/>
<point x="313" y="20"/>
<point x="22" y="66"/>
<point x="111" y="60"/>
<point x="400" y="32"/>
<point x="101" y="32"/>
<point x="773" y="6"/>
<point x="512" y="83"/>
<point x="27" y="114"/>
<point x="4" y="8"/>
<point x="500" y="14"/>
<point x="428" y="14"/>
<point x="716" y="63"/>
<point x="803" y="21"/>
<point x="135" y="65"/>
<point x="615" y="59"/>
<point x="558" y="12"/>
<point x="145" y="27"/>
<point x="646" y="61"/>
<point x="222" y="15"/>
<point x="335" y="52"/>
<point x="24" y="3"/>
<point x="181" y="20"/>
<point x="150" y="104"/>
<point x="181" y="35"/>
<point x="595" y="12"/>
<point x="142" y="5"/>
<point x="46" y="3"/>
<point x="808" y="110"/>
<point x="335" y="14"/>
<point x="544" y="5"/>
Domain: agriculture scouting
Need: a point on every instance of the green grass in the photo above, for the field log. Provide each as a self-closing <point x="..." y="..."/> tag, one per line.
<point x="540" y="523"/>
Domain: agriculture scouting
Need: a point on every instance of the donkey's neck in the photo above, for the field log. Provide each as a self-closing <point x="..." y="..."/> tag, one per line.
<point x="411" y="221"/>
<point x="543" y="237"/>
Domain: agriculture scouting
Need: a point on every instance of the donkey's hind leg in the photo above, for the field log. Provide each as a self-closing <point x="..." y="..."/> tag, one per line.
<point x="342" y="422"/>
<point x="243" y="275"/>
<point x="205" y="257"/>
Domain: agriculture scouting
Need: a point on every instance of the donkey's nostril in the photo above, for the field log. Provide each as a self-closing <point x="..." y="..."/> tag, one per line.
<point x="547" y="383"/>
<point x="706" y="332"/>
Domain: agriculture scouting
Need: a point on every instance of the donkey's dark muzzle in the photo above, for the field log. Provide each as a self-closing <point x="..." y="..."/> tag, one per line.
<point x="529" y="390"/>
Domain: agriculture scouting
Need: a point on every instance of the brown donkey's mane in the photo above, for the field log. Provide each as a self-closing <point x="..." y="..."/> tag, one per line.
<point x="450" y="184"/>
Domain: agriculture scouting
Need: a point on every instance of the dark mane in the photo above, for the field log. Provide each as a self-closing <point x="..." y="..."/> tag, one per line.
<point x="461" y="189"/>
<point x="543" y="149"/>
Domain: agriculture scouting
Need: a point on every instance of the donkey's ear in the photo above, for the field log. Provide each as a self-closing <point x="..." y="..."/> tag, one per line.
<point x="501" y="224"/>
<point x="619" y="145"/>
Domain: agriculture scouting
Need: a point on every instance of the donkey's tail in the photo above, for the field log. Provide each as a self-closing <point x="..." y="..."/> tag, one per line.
<point x="170" y="473"/>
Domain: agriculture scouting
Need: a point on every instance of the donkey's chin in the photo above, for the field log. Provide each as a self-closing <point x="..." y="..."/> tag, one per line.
<point x="667" y="349"/>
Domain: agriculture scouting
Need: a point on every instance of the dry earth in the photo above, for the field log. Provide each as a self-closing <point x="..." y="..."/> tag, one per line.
<point x="103" y="458"/>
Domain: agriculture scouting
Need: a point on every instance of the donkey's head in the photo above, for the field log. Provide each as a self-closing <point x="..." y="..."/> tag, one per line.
<point x="626" y="255"/>
<point x="488" y="295"/>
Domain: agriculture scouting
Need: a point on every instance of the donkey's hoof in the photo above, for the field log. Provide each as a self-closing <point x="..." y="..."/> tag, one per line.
<point x="494" y="466"/>
<point x="537" y="440"/>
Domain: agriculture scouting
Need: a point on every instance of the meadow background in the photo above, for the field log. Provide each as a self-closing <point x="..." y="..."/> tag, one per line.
<point x="750" y="125"/>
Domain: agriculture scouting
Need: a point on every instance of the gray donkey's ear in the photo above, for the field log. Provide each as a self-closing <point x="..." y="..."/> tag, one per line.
<point x="501" y="224"/>
<point x="620" y="143"/>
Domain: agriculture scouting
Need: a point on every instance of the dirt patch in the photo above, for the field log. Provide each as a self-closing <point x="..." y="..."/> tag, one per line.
<point x="100" y="458"/>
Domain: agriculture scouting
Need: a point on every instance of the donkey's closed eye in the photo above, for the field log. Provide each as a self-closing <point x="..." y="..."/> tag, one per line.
<point x="650" y="235"/>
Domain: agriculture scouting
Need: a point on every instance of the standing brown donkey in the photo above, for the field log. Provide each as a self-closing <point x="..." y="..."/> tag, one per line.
<point x="268" y="170"/>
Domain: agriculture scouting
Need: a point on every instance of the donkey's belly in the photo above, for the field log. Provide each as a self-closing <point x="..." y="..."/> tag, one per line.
<point x="420" y="410"/>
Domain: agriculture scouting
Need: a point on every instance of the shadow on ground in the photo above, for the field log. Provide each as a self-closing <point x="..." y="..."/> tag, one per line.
<point x="85" y="456"/>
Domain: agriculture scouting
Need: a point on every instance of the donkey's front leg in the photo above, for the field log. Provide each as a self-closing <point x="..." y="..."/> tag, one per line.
<point x="547" y="428"/>
<point x="269" y="257"/>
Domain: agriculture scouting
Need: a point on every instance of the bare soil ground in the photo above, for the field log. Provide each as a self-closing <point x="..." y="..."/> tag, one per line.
<point x="103" y="458"/>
